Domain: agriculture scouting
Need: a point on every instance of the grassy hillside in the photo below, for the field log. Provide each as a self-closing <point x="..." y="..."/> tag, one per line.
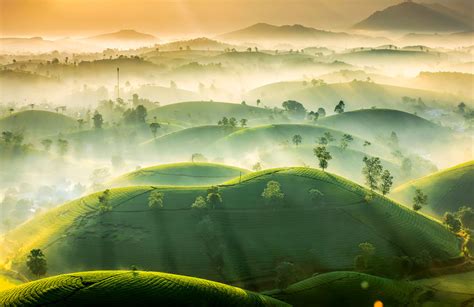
<point x="130" y="288"/>
<point x="239" y="243"/>
<point x="270" y="136"/>
<point x="447" y="190"/>
<point x="345" y="162"/>
<point x="207" y="112"/>
<point x="356" y="94"/>
<point x="38" y="122"/>
<point x="351" y="289"/>
<point x="182" y="144"/>
<point x="187" y="173"/>
<point x="378" y="124"/>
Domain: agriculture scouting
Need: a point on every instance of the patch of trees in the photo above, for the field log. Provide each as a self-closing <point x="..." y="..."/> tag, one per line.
<point x="369" y="262"/>
<point x="419" y="200"/>
<point x="135" y="116"/>
<point x="104" y="201"/>
<point x="376" y="178"/>
<point x="340" y="107"/>
<point x="294" y="109"/>
<point x="463" y="219"/>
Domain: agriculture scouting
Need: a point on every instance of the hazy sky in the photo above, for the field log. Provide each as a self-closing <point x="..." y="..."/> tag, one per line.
<point x="175" y="17"/>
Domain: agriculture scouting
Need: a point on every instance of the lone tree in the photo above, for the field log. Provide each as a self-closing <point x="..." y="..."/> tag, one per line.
<point x="36" y="262"/>
<point x="453" y="223"/>
<point x="154" y="128"/>
<point x="155" y="200"/>
<point x="214" y="198"/>
<point x="340" y="107"/>
<point x="257" y="167"/>
<point x="323" y="156"/>
<point x="104" y="201"/>
<point x="419" y="200"/>
<point x="345" y="140"/>
<point x="297" y="139"/>
<point x="199" y="203"/>
<point x="387" y="182"/>
<point x="272" y="193"/>
<point x="329" y="136"/>
<point x="322" y="112"/>
<point x="372" y="172"/>
<point x="98" y="120"/>
<point x="243" y="122"/>
<point x="198" y="157"/>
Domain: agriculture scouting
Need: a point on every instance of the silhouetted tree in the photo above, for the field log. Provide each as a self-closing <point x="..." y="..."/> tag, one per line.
<point x="36" y="263"/>
<point x="387" y="182"/>
<point x="98" y="120"/>
<point x="372" y="172"/>
<point x="453" y="223"/>
<point x="323" y="156"/>
<point x="297" y="139"/>
<point x="419" y="200"/>
<point x="154" y="128"/>
<point x="340" y="107"/>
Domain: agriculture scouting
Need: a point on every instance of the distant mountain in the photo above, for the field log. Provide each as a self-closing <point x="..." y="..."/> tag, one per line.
<point x="201" y="43"/>
<point x="411" y="16"/>
<point x="125" y="36"/>
<point x="268" y="31"/>
<point x="263" y="32"/>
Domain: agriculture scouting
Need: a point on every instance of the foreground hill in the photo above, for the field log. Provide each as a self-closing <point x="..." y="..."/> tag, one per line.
<point x="187" y="173"/>
<point x="356" y="94"/>
<point x="317" y="231"/>
<point x="130" y="288"/>
<point x="38" y="122"/>
<point x="207" y="112"/>
<point x="447" y="190"/>
<point x="411" y="16"/>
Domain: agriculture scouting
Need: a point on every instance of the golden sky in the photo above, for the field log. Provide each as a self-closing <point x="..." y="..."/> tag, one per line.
<point x="174" y="17"/>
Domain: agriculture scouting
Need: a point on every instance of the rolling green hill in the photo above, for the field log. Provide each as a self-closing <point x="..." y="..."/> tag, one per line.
<point x="38" y="122"/>
<point x="241" y="242"/>
<point x="378" y="124"/>
<point x="130" y="288"/>
<point x="345" y="162"/>
<point x="269" y="136"/>
<point x="182" y="144"/>
<point x="356" y="94"/>
<point x="447" y="190"/>
<point x="180" y="174"/>
<point x="207" y="112"/>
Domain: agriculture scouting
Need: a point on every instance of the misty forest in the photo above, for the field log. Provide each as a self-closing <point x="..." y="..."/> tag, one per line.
<point x="273" y="164"/>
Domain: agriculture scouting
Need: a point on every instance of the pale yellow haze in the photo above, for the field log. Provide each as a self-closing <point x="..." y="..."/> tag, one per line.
<point x="174" y="17"/>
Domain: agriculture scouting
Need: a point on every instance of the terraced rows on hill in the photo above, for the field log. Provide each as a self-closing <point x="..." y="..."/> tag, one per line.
<point x="130" y="288"/>
<point x="316" y="235"/>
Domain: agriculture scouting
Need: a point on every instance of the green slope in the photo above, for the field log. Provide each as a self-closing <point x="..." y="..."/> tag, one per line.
<point x="178" y="174"/>
<point x="182" y="144"/>
<point x="269" y="136"/>
<point x="241" y="242"/>
<point x="207" y="112"/>
<point x="38" y="122"/>
<point x="356" y="94"/>
<point x="345" y="162"/>
<point x="378" y="124"/>
<point x="447" y="190"/>
<point x="130" y="288"/>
